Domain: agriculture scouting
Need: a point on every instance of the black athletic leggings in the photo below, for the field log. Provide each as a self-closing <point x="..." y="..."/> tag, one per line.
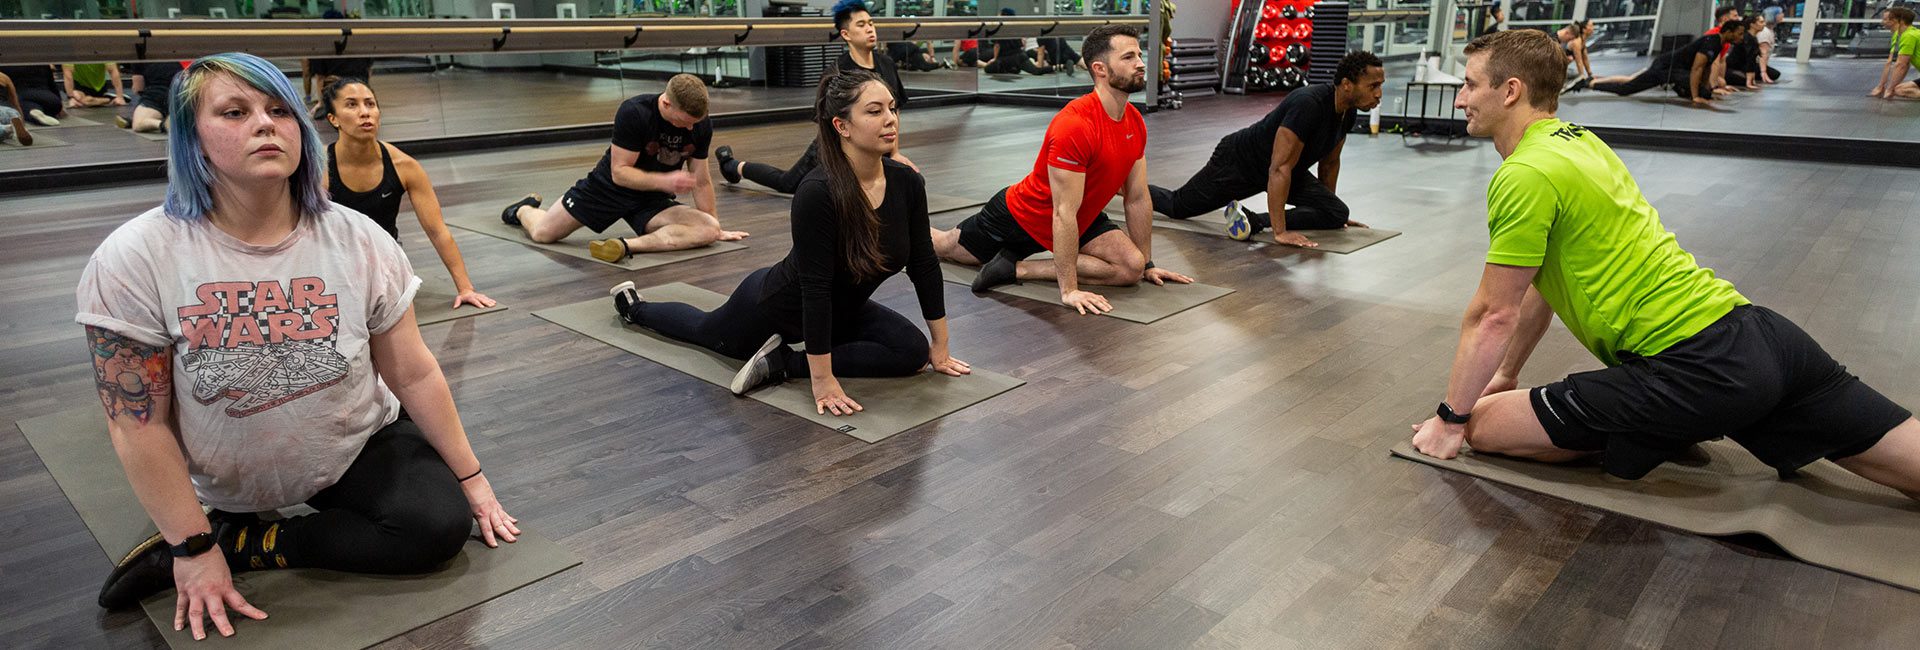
<point x="398" y="509"/>
<point x="1014" y="62"/>
<point x="40" y="99"/>
<point x="878" y="342"/>
<point x="1225" y="178"/>
<point x="783" y="180"/>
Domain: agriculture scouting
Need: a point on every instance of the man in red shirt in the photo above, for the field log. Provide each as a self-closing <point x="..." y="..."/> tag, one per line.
<point x="1094" y="148"/>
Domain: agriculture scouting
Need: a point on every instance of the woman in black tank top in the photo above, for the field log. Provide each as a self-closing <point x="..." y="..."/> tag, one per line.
<point x="350" y="163"/>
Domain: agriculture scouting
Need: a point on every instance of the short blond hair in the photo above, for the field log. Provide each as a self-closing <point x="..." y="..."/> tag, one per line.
<point x="688" y="93"/>
<point x="1529" y="55"/>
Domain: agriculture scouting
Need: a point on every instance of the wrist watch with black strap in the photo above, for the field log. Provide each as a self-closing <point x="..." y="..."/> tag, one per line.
<point x="1448" y="416"/>
<point x="192" y="546"/>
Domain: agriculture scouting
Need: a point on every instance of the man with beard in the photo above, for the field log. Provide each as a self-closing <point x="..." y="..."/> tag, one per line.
<point x="1094" y="149"/>
<point x="1309" y="127"/>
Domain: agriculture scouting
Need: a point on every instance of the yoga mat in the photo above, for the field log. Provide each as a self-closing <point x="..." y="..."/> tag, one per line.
<point x="487" y="222"/>
<point x="40" y="141"/>
<point x="1345" y="240"/>
<point x="67" y="122"/>
<point x="308" y="608"/>
<point x="156" y="136"/>
<point x="433" y="303"/>
<point x="936" y="203"/>
<point x="892" y="404"/>
<point x="1142" y="303"/>
<point x="1825" y="516"/>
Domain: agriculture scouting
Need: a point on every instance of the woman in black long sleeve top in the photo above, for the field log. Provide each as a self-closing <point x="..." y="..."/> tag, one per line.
<point x="821" y="292"/>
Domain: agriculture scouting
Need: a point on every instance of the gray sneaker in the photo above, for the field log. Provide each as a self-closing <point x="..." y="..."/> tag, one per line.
<point x="759" y="369"/>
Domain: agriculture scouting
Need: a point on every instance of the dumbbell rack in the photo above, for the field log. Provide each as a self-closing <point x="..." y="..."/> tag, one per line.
<point x="1329" y="41"/>
<point x="1267" y="46"/>
<point x="1196" y="67"/>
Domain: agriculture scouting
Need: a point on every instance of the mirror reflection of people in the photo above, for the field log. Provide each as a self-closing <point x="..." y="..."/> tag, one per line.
<point x="1695" y="59"/>
<point x="91" y="85"/>
<point x="360" y="159"/>
<point x="38" y="97"/>
<point x="153" y="85"/>
<point x="1904" y="55"/>
<point x="1688" y="358"/>
<point x="13" y="123"/>
<point x="858" y="218"/>
<point x="289" y="321"/>
<point x="1573" y="40"/>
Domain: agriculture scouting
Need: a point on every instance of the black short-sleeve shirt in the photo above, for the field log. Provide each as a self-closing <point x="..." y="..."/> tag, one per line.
<point x="1309" y="113"/>
<point x="663" y="147"/>
<point x="884" y="66"/>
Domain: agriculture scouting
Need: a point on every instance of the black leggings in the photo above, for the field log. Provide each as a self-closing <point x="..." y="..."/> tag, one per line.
<point x="1014" y="62"/>
<point x="875" y="342"/>
<point x="1059" y="53"/>
<point x="1224" y="179"/>
<point x="783" y="180"/>
<point x="40" y="99"/>
<point x="1650" y="78"/>
<point x="398" y="509"/>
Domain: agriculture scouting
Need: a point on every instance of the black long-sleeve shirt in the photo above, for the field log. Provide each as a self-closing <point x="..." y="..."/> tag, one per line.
<point x="813" y="285"/>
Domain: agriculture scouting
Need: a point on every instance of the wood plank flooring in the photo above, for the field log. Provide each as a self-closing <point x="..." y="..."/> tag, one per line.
<point x="1219" y="479"/>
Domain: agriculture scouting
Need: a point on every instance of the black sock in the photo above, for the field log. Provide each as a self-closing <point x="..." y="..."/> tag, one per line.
<point x="997" y="271"/>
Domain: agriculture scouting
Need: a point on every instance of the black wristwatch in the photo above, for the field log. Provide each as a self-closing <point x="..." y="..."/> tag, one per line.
<point x="1448" y="416"/>
<point x="192" y="546"/>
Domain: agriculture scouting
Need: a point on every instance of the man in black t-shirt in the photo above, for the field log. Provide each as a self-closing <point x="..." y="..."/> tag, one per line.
<point x="1686" y="68"/>
<point x="1308" y="127"/>
<point x="856" y="29"/>
<point x="659" y="151"/>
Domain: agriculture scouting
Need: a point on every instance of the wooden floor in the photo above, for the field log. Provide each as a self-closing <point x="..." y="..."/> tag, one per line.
<point x="1219" y="479"/>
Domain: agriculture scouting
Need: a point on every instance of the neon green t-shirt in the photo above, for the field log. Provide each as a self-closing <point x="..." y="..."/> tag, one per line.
<point x="1907" y="42"/>
<point x="1565" y="203"/>
<point x="92" y="76"/>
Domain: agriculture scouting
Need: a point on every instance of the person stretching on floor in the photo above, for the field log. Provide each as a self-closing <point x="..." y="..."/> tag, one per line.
<point x="289" y="321"/>
<point x="1573" y="38"/>
<point x="1094" y="149"/>
<point x="858" y="219"/>
<point x="1688" y="357"/>
<point x="1307" y="128"/>
<point x="1904" y="54"/>
<point x="389" y="174"/>
<point x="1686" y="68"/>
<point x="856" y="30"/>
<point x="659" y="151"/>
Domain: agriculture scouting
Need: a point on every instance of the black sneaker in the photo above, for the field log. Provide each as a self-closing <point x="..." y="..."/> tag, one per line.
<point x="145" y="571"/>
<point x="511" y="215"/>
<point x="624" y="298"/>
<point x="996" y="272"/>
<point x="728" y="169"/>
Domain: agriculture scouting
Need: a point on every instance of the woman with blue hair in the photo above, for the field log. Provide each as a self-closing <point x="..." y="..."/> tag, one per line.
<point x="289" y="320"/>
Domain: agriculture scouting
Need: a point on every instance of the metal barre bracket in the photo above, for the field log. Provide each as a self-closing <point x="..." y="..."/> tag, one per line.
<point x="502" y="41"/>
<point x="1050" y="28"/>
<point x="911" y="32"/>
<point x="140" y="48"/>
<point x="996" y="28"/>
<point x="742" y="36"/>
<point x="630" y="39"/>
<point x="976" y="31"/>
<point x="346" y="34"/>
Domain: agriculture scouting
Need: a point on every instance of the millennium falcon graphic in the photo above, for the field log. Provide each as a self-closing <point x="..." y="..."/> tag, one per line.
<point x="260" y="377"/>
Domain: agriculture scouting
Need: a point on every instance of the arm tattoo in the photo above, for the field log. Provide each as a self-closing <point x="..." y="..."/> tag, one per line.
<point x="132" y="376"/>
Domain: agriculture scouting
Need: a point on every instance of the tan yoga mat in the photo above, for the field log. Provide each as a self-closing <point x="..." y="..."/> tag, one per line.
<point x="1825" y="516"/>
<point x="433" y="303"/>
<point x="936" y="203"/>
<point x="40" y="141"/>
<point x="306" y="608"/>
<point x="892" y="404"/>
<point x="487" y="222"/>
<point x="1142" y="303"/>
<point x="1344" y="240"/>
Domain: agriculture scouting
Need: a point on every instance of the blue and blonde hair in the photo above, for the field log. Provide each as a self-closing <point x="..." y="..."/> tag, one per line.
<point x="190" y="177"/>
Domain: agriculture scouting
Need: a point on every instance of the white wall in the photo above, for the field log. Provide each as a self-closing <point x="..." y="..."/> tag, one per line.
<point x="1200" y="18"/>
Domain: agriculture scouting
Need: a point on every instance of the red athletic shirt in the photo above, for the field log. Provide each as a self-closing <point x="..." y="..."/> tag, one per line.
<point x="1081" y="138"/>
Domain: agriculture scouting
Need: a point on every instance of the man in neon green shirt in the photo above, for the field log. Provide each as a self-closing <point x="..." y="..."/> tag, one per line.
<point x="1689" y="359"/>
<point x="1904" y="54"/>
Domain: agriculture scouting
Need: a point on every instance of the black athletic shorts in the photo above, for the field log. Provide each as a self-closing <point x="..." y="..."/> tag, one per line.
<point x="1752" y="376"/>
<point x="993" y="229"/>
<point x="598" y="208"/>
<point x="154" y="96"/>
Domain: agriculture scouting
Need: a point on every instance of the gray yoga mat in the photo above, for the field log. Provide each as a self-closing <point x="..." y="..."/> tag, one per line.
<point x="1344" y="240"/>
<point x="892" y="405"/>
<point x="936" y="203"/>
<point x="1142" y="303"/>
<point x="307" y="608"/>
<point x="1826" y="516"/>
<point x="40" y="141"/>
<point x="433" y="303"/>
<point x="68" y="122"/>
<point x="156" y="136"/>
<point x="487" y="222"/>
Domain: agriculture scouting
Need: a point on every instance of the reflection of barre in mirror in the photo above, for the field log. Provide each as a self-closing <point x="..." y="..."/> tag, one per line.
<point x="659" y="152"/>
<point x="858" y="218"/>
<point x="1094" y="149"/>
<point x="288" y="319"/>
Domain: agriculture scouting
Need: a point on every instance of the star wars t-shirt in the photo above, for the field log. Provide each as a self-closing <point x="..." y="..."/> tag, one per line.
<point x="274" y="389"/>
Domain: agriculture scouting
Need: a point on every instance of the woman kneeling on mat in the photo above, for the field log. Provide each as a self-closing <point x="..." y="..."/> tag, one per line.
<point x="289" y="321"/>
<point x="387" y="173"/>
<point x="857" y="219"/>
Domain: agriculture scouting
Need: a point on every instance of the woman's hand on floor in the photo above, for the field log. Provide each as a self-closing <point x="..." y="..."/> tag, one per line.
<point x="494" y="520"/>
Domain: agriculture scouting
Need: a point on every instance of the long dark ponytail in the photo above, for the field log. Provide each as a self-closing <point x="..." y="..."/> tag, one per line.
<point x="859" y="224"/>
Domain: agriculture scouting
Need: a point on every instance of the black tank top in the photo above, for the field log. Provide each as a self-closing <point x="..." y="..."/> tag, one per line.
<point x="382" y="203"/>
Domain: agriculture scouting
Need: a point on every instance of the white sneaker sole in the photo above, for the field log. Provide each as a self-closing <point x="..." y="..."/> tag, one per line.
<point x="740" y="384"/>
